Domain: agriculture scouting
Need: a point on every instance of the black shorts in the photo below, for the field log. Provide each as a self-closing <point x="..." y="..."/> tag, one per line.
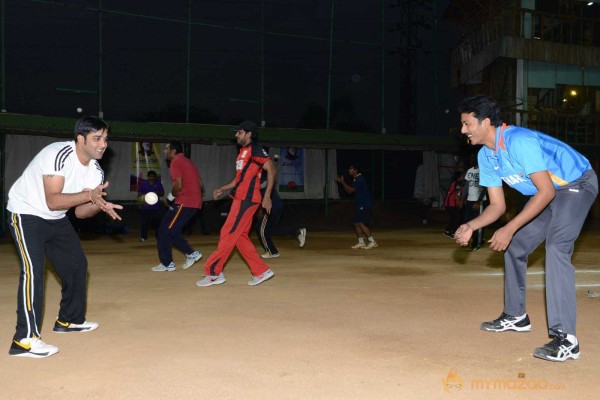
<point x="362" y="215"/>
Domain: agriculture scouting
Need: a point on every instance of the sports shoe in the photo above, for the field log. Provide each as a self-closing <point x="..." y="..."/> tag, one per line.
<point x="31" y="347"/>
<point x="449" y="234"/>
<point x="210" y="280"/>
<point x="370" y="246"/>
<point x="256" y="280"/>
<point x="269" y="255"/>
<point x="359" y="245"/>
<point x="561" y="348"/>
<point x="507" y="322"/>
<point x="162" y="268"/>
<point x="65" y="327"/>
<point x="476" y="248"/>
<point x="302" y="237"/>
<point x="190" y="259"/>
<point x="592" y="293"/>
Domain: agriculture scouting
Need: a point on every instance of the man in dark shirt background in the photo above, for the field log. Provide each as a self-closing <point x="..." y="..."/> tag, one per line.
<point x="362" y="215"/>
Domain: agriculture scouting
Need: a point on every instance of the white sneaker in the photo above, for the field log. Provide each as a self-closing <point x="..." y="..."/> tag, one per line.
<point x="269" y="255"/>
<point x="210" y="280"/>
<point x="31" y="347"/>
<point x="359" y="246"/>
<point x="268" y="274"/>
<point x="302" y="237"/>
<point x="162" y="268"/>
<point x="190" y="259"/>
<point x="65" y="327"/>
<point x="370" y="246"/>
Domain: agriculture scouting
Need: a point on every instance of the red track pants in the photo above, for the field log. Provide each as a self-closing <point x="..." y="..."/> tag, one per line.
<point x="234" y="233"/>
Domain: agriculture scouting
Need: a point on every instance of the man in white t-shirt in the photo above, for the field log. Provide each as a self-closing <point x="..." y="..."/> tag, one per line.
<point x="475" y="198"/>
<point x="61" y="176"/>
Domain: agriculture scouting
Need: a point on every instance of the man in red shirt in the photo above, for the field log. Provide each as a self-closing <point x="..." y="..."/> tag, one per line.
<point x="251" y="163"/>
<point x="186" y="195"/>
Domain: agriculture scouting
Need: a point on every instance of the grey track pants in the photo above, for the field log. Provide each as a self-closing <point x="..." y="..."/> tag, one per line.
<point x="559" y="225"/>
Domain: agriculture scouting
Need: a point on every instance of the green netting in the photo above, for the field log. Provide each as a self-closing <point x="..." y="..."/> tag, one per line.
<point x="221" y="134"/>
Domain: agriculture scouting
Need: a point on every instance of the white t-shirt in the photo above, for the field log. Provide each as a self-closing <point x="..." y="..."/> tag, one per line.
<point x="472" y="178"/>
<point x="27" y="196"/>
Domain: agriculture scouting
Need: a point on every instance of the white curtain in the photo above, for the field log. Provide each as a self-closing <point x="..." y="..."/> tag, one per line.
<point x="215" y="163"/>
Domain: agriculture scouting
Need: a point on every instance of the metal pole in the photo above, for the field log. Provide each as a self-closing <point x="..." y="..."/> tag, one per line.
<point x="372" y="182"/>
<point x="435" y="72"/>
<point x="382" y="177"/>
<point x="326" y="187"/>
<point x="3" y="183"/>
<point x="2" y="137"/>
<point x="100" y="56"/>
<point x="3" y="62"/>
<point x="325" y="195"/>
<point x="187" y="67"/>
<point x="262" y="63"/>
<point x="330" y="66"/>
<point x="383" y="130"/>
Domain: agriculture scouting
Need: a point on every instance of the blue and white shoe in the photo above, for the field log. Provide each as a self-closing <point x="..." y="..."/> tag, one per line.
<point x="210" y="280"/>
<point x="191" y="259"/>
<point x="162" y="268"/>
<point x="257" y="280"/>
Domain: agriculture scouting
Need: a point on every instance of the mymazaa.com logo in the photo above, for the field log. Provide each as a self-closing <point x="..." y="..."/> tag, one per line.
<point x="454" y="384"/>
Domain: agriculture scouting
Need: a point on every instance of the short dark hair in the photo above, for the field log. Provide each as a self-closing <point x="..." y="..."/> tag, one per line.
<point x="482" y="107"/>
<point x="177" y="146"/>
<point x="153" y="173"/>
<point x="89" y="124"/>
<point x="355" y="166"/>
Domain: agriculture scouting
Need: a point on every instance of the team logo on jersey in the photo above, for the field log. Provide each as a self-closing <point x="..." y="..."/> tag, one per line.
<point x="239" y="163"/>
<point x="514" y="179"/>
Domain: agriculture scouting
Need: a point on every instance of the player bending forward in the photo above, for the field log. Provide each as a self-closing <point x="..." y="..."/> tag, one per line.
<point x="562" y="186"/>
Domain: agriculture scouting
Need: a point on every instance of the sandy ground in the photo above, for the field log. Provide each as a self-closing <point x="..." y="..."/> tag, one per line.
<point x="334" y="323"/>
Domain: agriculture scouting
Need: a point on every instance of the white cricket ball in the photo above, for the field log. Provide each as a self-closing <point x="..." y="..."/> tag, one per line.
<point x="151" y="198"/>
<point x="79" y="110"/>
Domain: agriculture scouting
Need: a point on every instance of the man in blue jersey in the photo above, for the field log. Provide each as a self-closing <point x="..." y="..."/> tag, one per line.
<point x="562" y="186"/>
<point x="362" y="199"/>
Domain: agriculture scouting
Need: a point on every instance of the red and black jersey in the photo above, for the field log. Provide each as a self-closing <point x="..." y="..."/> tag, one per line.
<point x="249" y="168"/>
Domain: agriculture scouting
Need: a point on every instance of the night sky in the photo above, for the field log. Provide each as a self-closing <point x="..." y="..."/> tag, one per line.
<point x="52" y="61"/>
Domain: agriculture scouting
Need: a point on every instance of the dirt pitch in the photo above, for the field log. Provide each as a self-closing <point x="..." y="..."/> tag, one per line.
<point x="334" y="323"/>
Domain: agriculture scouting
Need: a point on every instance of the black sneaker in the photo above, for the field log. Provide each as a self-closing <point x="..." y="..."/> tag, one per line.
<point x="65" y="327"/>
<point x="507" y="322"/>
<point x="561" y="348"/>
<point x="449" y="234"/>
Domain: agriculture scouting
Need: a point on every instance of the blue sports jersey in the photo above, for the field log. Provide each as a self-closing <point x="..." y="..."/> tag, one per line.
<point x="521" y="152"/>
<point x="362" y="197"/>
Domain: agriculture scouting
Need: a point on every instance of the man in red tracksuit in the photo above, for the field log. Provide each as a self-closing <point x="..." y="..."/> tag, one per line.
<point x="251" y="163"/>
